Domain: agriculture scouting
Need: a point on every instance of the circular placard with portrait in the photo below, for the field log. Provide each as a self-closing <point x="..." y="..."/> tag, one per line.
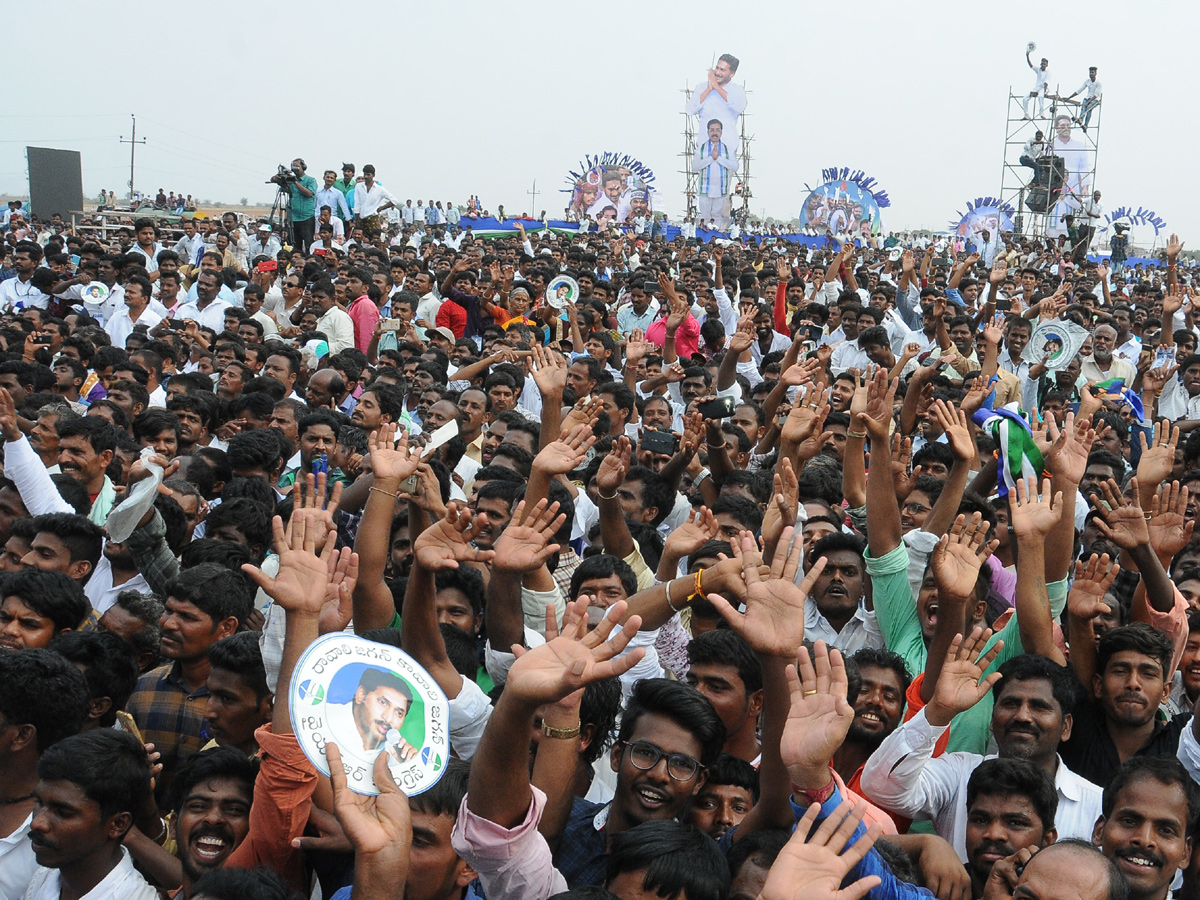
<point x="370" y="698"/>
<point x="95" y="292"/>
<point x="561" y="290"/>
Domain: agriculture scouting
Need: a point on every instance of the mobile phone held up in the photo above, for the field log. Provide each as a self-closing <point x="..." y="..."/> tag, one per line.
<point x="718" y="408"/>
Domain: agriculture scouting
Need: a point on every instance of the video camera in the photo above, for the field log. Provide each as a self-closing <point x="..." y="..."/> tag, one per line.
<point x="283" y="176"/>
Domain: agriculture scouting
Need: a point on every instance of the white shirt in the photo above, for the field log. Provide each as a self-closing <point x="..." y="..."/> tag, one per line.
<point x="714" y="106"/>
<point x="861" y="631"/>
<point x="100" y="590"/>
<point x="120" y="326"/>
<point x="338" y="328"/>
<point x="1090" y="89"/>
<point x="17" y="863"/>
<point x="256" y="248"/>
<point x="848" y="355"/>
<point x="17" y="294"/>
<point x="212" y="316"/>
<point x="1041" y="80"/>
<point x="124" y="882"/>
<point x="902" y="777"/>
<point x="368" y="200"/>
<point x="151" y="255"/>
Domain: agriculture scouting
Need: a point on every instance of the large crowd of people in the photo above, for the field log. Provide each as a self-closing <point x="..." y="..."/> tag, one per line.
<point x="751" y="570"/>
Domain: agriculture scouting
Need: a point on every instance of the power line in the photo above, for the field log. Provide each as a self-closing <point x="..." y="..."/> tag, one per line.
<point x="197" y="137"/>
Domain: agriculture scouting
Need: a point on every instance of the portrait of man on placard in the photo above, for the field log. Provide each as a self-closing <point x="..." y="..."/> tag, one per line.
<point x="374" y="716"/>
<point x="718" y="97"/>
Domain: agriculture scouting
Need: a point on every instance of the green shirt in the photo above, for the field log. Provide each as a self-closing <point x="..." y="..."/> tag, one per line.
<point x="896" y="612"/>
<point x="347" y="188"/>
<point x="304" y="208"/>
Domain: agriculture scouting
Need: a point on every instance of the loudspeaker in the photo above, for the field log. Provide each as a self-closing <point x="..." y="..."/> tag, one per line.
<point x="1051" y="172"/>
<point x="55" y="182"/>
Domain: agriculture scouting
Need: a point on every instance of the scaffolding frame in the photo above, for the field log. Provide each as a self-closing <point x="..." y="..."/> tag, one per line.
<point x="1080" y="153"/>
<point x="691" y="178"/>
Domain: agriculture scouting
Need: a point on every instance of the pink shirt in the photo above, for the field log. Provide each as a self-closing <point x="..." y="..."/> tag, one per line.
<point x="513" y="863"/>
<point x="365" y="315"/>
<point x="687" y="336"/>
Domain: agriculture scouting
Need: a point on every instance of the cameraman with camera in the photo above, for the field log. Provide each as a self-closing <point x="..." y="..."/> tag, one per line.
<point x="303" y="191"/>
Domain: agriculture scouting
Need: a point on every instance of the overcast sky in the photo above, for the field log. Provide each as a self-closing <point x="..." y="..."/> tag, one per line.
<point x="449" y="99"/>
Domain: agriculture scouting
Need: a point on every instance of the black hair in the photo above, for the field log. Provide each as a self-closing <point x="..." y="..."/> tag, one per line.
<point x="599" y="708"/>
<point x="836" y="542"/>
<point x="679" y="860"/>
<point x="683" y="705"/>
<point x="250" y="517"/>
<point x="1006" y="777"/>
<point x="446" y="796"/>
<point x="882" y="658"/>
<point x="389" y="397"/>
<point x="239" y="653"/>
<point x="51" y="594"/>
<point x="1138" y="638"/>
<point x="602" y="565"/>
<point x="214" y="590"/>
<point x="759" y="847"/>
<point x="724" y="647"/>
<point x="747" y="513"/>
<point x="108" y="664"/>
<point x="110" y="766"/>
<point x="219" y="762"/>
<point x="758" y="483"/>
<point x="258" y="449"/>
<point x="317" y="417"/>
<point x="45" y="690"/>
<point x="934" y="452"/>
<point x="98" y="431"/>
<point x="657" y="492"/>
<point x="729" y="769"/>
<point x="466" y="579"/>
<point x="83" y="538"/>
<point x="236" y="884"/>
<point x="1029" y="667"/>
<point x="1163" y="769"/>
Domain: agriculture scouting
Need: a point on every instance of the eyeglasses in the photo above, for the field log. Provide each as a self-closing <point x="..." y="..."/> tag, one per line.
<point x="645" y="756"/>
<point x="916" y="508"/>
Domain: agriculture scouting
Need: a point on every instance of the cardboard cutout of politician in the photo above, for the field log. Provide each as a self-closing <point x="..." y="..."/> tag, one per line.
<point x="715" y="165"/>
<point x="719" y="98"/>
<point x="1078" y="164"/>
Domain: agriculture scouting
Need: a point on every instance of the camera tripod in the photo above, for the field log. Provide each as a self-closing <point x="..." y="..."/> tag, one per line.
<point x="280" y="217"/>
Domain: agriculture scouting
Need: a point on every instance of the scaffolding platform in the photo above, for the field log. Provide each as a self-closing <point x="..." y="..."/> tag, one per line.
<point x="1063" y="176"/>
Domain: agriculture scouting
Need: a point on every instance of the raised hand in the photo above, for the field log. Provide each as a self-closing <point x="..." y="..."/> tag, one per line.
<point x="637" y="347"/>
<point x="447" y="542"/>
<point x="573" y="658"/>
<point x="959" y="555"/>
<point x="696" y="531"/>
<point x="957" y="428"/>
<point x="901" y="458"/>
<point x="977" y="392"/>
<point x="813" y="865"/>
<point x="549" y="371"/>
<point x="373" y="824"/>
<point x="801" y="373"/>
<point x="392" y="458"/>
<point x="614" y="468"/>
<point x="1092" y="581"/>
<point x="782" y="509"/>
<point x="1032" y="516"/>
<point x="1122" y="521"/>
<point x="774" y="619"/>
<point x="805" y="418"/>
<point x="1067" y="457"/>
<point x="959" y="687"/>
<point x="525" y="544"/>
<point x="1158" y="460"/>
<point x="819" y="717"/>
<point x="585" y="412"/>
<point x="303" y="578"/>
<point x="744" y="336"/>
<point x="567" y="453"/>
<point x="1170" y="529"/>
<point x="876" y="420"/>
<point x="1155" y="380"/>
<point x="8" y="417"/>
<point x="1174" y="247"/>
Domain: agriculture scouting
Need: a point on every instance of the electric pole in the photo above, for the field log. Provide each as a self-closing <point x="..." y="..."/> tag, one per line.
<point x="132" y="142"/>
<point x="533" y="193"/>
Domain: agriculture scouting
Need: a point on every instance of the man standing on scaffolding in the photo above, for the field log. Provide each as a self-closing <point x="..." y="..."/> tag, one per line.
<point x="1041" y="84"/>
<point x="1092" y="92"/>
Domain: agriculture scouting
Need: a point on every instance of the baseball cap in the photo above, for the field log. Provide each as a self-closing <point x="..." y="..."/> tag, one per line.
<point x="445" y="332"/>
<point x="264" y="227"/>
